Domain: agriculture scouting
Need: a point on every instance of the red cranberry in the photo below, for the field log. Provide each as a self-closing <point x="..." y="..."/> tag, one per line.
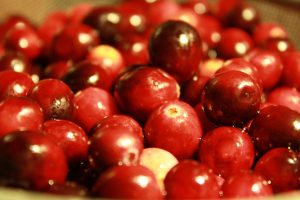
<point x="175" y="127"/>
<point x="92" y="105"/>
<point x="19" y="114"/>
<point x="175" y="46"/>
<point x="70" y="137"/>
<point x="276" y="126"/>
<point x="141" y="90"/>
<point x="15" y="61"/>
<point x="191" y="180"/>
<point x="55" y="97"/>
<point x="133" y="182"/>
<point x="280" y="45"/>
<point x="78" y="12"/>
<point x="187" y="15"/>
<point x="67" y="188"/>
<point x="246" y="184"/>
<point x="31" y="160"/>
<point x="281" y="167"/>
<point x="291" y="70"/>
<point x="57" y="70"/>
<point x="227" y="150"/>
<point x="201" y="7"/>
<point x="224" y="8"/>
<point x="231" y="98"/>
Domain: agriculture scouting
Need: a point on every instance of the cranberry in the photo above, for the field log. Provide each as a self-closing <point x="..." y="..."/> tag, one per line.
<point x="15" y="61"/>
<point x="231" y="98"/>
<point x="291" y="70"/>
<point x="201" y="7"/>
<point x="281" y="167"/>
<point x="78" y="12"/>
<point x="57" y="70"/>
<point x="31" y="160"/>
<point x="224" y="8"/>
<point x="191" y="180"/>
<point x="246" y="184"/>
<point x="175" y="127"/>
<point x="227" y="150"/>
<point x="139" y="182"/>
<point x="280" y="45"/>
<point x="67" y="188"/>
<point x="20" y="114"/>
<point x="141" y="90"/>
<point x="175" y="46"/>
<point x="187" y="15"/>
<point x="275" y="126"/>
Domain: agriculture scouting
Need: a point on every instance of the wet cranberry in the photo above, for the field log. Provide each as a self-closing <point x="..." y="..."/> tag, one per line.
<point x="276" y="126"/>
<point x="207" y="125"/>
<point x="227" y="150"/>
<point x="231" y="98"/>
<point x="191" y="180"/>
<point x="31" y="160"/>
<point x="15" y="61"/>
<point x="18" y="114"/>
<point x="57" y="70"/>
<point x="141" y="90"/>
<point x="281" y="167"/>
<point x="70" y="137"/>
<point x="201" y="7"/>
<point x="175" y="127"/>
<point x="92" y="105"/>
<point x="67" y="188"/>
<point x="246" y="184"/>
<point x="175" y="46"/>
<point x="291" y="70"/>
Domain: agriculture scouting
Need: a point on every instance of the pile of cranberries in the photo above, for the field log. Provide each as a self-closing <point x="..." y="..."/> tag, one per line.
<point x="150" y="100"/>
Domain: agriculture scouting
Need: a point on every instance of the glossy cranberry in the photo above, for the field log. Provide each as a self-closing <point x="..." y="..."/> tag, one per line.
<point x="141" y="90"/>
<point x="70" y="137"/>
<point x="67" y="188"/>
<point x="201" y="7"/>
<point x="269" y="66"/>
<point x="14" y="83"/>
<point x="175" y="127"/>
<point x="31" y="160"/>
<point x="210" y="66"/>
<point x="227" y="150"/>
<point x="275" y="126"/>
<point x="57" y="70"/>
<point x="246" y="184"/>
<point x="207" y="125"/>
<point x="73" y="42"/>
<point x="291" y="70"/>
<point x="234" y="43"/>
<point x="231" y="98"/>
<point x="190" y="179"/>
<point x="15" y="61"/>
<point x="175" y="46"/>
<point x="92" y="105"/>
<point x="18" y="114"/>
<point x="281" y="167"/>
<point x="280" y="45"/>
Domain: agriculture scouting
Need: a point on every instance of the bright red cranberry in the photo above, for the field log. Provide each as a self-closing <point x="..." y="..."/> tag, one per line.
<point x="70" y="137"/>
<point x="175" y="127"/>
<point x="55" y="97"/>
<point x="14" y="83"/>
<point x="207" y="125"/>
<point x="92" y="105"/>
<point x="245" y="184"/>
<point x="231" y="98"/>
<point x="67" y="188"/>
<point x="57" y="70"/>
<point x="18" y="114"/>
<point x="210" y="66"/>
<point x="15" y="61"/>
<point x="201" y="7"/>
<point x="276" y="126"/>
<point x="280" y="45"/>
<point x="234" y="43"/>
<point x="133" y="182"/>
<point x="190" y="179"/>
<point x="141" y="90"/>
<point x="73" y="42"/>
<point x="227" y="150"/>
<point x="175" y="46"/>
<point x="281" y="167"/>
<point x="291" y="70"/>
<point x="31" y="160"/>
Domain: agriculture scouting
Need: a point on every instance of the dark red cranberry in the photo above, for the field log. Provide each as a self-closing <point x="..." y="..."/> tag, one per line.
<point x="175" y="46"/>
<point x="92" y="105"/>
<point x="15" y="61"/>
<point x="18" y="114"/>
<point x="70" y="137"/>
<point x="276" y="126"/>
<point x="291" y="69"/>
<point x="133" y="182"/>
<point x="227" y="150"/>
<point x="31" y="160"/>
<point x="190" y="179"/>
<point x="207" y="125"/>
<point x="281" y="167"/>
<point x="55" y="97"/>
<point x="231" y="98"/>
<point x="201" y="7"/>
<point x="245" y="184"/>
<point x="57" y="70"/>
<point x="67" y="188"/>
<point x="141" y="90"/>
<point x="175" y="127"/>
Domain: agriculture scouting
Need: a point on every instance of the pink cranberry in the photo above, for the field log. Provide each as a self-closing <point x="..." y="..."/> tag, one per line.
<point x="20" y="114"/>
<point x="245" y="184"/>
<point x="190" y="179"/>
<point x="175" y="127"/>
<point x="16" y="61"/>
<point x="34" y="160"/>
<point x="92" y="105"/>
<point x="227" y="150"/>
<point x="57" y="70"/>
<point x="291" y="69"/>
<point x="133" y="182"/>
<point x="281" y="167"/>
